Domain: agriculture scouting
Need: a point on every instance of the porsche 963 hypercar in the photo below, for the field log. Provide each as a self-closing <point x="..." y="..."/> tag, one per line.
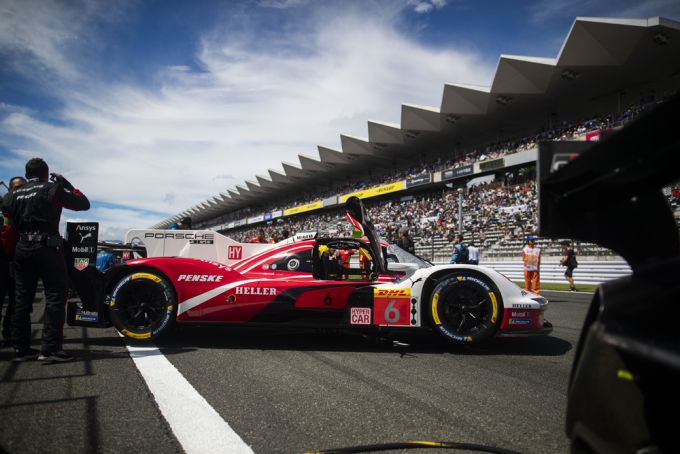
<point x="200" y="276"/>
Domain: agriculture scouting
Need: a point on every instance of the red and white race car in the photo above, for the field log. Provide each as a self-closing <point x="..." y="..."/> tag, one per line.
<point x="204" y="277"/>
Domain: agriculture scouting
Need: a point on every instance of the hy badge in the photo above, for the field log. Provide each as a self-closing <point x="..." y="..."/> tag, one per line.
<point x="81" y="264"/>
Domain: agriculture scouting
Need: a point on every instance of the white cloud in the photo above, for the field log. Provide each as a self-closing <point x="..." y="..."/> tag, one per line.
<point x="45" y="35"/>
<point x="425" y="6"/>
<point x="282" y="4"/>
<point x="168" y="147"/>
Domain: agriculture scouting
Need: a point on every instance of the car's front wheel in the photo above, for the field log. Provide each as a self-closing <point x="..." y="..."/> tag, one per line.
<point x="465" y="307"/>
<point x="143" y="305"/>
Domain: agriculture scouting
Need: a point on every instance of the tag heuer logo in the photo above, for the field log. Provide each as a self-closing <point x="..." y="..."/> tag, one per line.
<point x="81" y="264"/>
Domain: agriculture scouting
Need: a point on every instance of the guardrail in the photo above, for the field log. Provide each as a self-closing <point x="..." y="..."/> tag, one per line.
<point x="588" y="272"/>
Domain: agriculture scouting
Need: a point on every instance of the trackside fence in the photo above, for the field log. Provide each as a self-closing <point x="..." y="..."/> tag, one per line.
<point x="588" y="272"/>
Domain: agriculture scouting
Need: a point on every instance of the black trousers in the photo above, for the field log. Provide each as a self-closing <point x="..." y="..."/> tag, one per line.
<point x="6" y="289"/>
<point x="36" y="261"/>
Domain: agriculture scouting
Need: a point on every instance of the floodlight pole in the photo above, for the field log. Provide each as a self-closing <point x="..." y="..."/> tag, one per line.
<point x="460" y="210"/>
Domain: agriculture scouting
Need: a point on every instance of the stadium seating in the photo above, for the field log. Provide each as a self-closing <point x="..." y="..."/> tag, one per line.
<point x="496" y="216"/>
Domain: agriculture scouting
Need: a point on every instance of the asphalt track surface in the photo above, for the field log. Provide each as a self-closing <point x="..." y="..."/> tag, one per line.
<point x="294" y="391"/>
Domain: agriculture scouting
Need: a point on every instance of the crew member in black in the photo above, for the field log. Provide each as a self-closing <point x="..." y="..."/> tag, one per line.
<point x="569" y="260"/>
<point x="35" y="209"/>
<point x="7" y="271"/>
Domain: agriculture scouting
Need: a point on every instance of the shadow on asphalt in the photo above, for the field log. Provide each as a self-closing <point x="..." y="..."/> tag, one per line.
<point x="237" y="338"/>
<point x="188" y="339"/>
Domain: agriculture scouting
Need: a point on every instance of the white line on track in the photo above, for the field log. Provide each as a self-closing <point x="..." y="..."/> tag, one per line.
<point x="197" y="426"/>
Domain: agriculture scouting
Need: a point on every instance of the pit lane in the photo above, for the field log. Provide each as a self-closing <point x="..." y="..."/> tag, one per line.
<point x="292" y="391"/>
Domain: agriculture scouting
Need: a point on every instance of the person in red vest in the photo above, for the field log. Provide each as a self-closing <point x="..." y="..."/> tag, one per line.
<point x="344" y="256"/>
<point x="259" y="238"/>
<point x="531" y="256"/>
<point x="364" y="262"/>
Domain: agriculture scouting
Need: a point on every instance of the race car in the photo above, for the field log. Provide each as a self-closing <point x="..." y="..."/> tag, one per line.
<point x="357" y="283"/>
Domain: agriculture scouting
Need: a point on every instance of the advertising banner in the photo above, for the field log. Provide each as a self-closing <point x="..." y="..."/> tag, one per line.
<point x="419" y="180"/>
<point x="302" y="208"/>
<point x="491" y="165"/>
<point x="267" y="216"/>
<point x="373" y="192"/>
<point x="256" y="219"/>
<point x="277" y="214"/>
<point x="330" y="201"/>
<point x="457" y="173"/>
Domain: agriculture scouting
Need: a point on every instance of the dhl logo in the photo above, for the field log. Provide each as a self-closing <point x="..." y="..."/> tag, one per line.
<point x="396" y="293"/>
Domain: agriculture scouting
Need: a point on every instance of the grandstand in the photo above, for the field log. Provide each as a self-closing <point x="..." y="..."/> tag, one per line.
<point x="607" y="73"/>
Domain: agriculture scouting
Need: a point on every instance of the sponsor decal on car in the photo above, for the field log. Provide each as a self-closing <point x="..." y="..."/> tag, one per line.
<point x="199" y="278"/>
<point x="360" y="316"/>
<point x="81" y="264"/>
<point x="219" y="265"/>
<point x="87" y="316"/>
<point x="235" y="252"/>
<point x="392" y="306"/>
<point x="388" y="293"/>
<point x="255" y="291"/>
<point x="519" y="321"/>
<point x="522" y="306"/>
<point x="519" y="314"/>
<point x="82" y="249"/>
<point x="181" y="236"/>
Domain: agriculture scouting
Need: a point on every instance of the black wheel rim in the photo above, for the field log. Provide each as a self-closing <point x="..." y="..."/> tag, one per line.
<point x="465" y="308"/>
<point x="141" y="305"/>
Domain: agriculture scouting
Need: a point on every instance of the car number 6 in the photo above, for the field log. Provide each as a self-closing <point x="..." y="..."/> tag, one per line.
<point x="391" y="313"/>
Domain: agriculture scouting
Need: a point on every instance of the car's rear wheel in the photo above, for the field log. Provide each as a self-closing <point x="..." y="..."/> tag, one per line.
<point x="465" y="307"/>
<point x="143" y="305"/>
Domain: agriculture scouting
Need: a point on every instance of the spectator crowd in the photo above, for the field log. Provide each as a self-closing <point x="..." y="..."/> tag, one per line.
<point x="512" y="209"/>
<point x="561" y="131"/>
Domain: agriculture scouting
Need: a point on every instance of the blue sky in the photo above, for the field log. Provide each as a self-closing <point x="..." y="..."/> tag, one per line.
<point x="153" y="106"/>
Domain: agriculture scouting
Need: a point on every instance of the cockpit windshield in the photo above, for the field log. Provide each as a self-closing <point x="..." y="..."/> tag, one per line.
<point x="401" y="256"/>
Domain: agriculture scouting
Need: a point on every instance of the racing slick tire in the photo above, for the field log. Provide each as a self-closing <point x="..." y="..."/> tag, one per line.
<point x="465" y="307"/>
<point x="143" y="305"/>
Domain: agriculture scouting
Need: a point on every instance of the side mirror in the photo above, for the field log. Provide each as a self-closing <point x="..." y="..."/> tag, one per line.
<point x="343" y="259"/>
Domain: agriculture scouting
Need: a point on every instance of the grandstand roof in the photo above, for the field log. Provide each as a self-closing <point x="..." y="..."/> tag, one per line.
<point x="599" y="58"/>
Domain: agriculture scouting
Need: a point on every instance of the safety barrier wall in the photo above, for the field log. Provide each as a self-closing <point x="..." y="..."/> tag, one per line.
<point x="588" y="272"/>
